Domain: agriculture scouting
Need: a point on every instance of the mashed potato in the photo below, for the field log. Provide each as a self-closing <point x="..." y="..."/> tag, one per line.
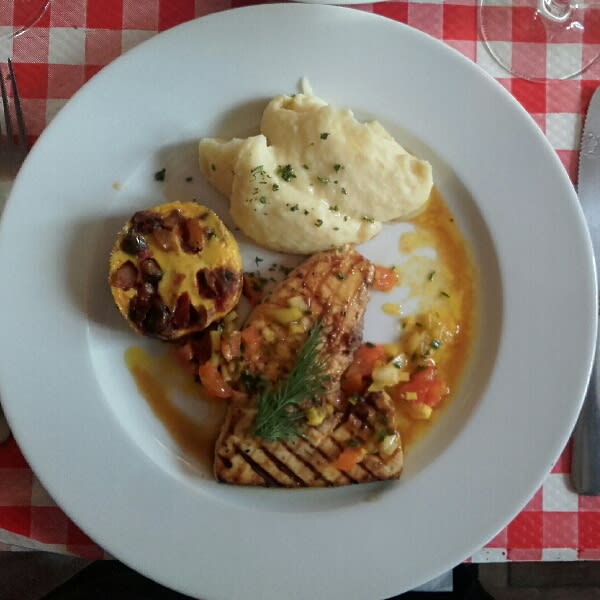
<point x="315" y="177"/>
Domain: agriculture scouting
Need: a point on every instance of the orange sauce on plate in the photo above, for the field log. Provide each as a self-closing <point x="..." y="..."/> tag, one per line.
<point x="158" y="379"/>
<point x="449" y="283"/>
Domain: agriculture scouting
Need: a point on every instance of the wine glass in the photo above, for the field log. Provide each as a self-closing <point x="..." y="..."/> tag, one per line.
<point x="541" y="39"/>
<point x="25" y="14"/>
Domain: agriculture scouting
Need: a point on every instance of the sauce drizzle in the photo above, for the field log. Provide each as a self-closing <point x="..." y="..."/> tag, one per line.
<point x="445" y="283"/>
<point x="158" y="380"/>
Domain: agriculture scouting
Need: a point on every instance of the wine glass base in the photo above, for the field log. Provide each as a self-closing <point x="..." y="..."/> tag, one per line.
<point x="530" y="46"/>
<point x="26" y="13"/>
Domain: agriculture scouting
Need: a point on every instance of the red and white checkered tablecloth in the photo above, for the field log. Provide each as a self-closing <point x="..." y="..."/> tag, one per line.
<point x="76" y="38"/>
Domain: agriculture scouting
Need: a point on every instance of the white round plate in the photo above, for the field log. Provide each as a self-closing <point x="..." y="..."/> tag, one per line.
<point x="91" y="438"/>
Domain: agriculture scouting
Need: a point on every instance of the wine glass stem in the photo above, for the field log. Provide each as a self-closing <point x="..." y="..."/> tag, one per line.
<point x="559" y="11"/>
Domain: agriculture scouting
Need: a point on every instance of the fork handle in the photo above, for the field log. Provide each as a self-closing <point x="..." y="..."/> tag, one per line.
<point x="585" y="463"/>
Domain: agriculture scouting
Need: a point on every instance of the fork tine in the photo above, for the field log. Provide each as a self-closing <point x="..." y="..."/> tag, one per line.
<point x="9" y="132"/>
<point x="19" y="110"/>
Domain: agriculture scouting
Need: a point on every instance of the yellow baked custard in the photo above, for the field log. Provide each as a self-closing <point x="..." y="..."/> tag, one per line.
<point x="175" y="269"/>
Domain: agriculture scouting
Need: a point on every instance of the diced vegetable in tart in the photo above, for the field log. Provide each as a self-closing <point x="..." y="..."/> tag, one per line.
<point x="175" y="269"/>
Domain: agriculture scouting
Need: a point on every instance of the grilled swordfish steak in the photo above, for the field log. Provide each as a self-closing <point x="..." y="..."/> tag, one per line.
<point x="329" y="291"/>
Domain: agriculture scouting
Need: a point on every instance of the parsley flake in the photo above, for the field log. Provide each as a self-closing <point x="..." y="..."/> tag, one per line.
<point x="286" y="172"/>
<point x="259" y="170"/>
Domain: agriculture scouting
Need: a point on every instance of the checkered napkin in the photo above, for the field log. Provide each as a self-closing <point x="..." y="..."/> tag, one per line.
<point x="76" y="38"/>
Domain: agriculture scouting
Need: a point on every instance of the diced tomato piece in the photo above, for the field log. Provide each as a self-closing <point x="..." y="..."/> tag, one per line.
<point x="429" y="389"/>
<point x="348" y="459"/>
<point x="420" y="379"/>
<point x="213" y="382"/>
<point x="369" y="354"/>
<point x="352" y="381"/>
<point x="251" y="340"/>
<point x="385" y="278"/>
<point x="434" y="394"/>
<point x="231" y="346"/>
<point x="365" y="359"/>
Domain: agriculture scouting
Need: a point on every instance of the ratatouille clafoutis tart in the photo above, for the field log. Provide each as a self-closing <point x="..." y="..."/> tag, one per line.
<point x="175" y="269"/>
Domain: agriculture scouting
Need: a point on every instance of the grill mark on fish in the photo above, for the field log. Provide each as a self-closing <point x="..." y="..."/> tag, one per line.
<point x="280" y="453"/>
<point x="241" y="470"/>
<point x="272" y="468"/>
<point x="267" y="478"/>
<point x="304" y="458"/>
<point x="329" y="444"/>
<point x="364" y="465"/>
<point x="313" y="457"/>
<point x="226" y="462"/>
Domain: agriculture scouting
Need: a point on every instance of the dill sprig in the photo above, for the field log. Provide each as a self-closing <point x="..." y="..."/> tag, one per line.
<point x="279" y="411"/>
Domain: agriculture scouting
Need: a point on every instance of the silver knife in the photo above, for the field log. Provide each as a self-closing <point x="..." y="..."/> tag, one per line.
<point x="585" y="463"/>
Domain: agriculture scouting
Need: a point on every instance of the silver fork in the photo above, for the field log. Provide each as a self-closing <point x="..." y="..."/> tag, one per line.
<point x="12" y="154"/>
<point x="13" y="148"/>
